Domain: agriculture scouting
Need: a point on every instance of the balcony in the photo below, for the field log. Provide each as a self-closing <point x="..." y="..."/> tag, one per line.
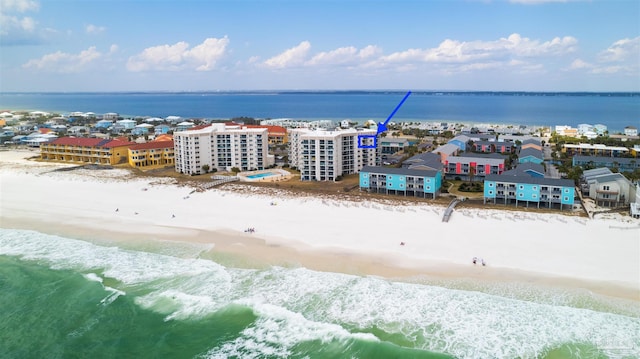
<point x="603" y="191"/>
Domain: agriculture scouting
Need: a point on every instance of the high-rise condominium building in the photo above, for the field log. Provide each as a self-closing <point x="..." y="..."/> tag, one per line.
<point x="221" y="147"/>
<point x="323" y="155"/>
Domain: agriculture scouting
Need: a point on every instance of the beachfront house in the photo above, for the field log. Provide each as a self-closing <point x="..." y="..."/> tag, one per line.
<point x="86" y="150"/>
<point x="221" y="147"/>
<point x="401" y="181"/>
<point x="389" y="146"/>
<point x="534" y="143"/>
<point x="630" y="131"/>
<point x="325" y="155"/>
<point x="161" y="129"/>
<point x="530" y="155"/>
<point x="522" y="190"/>
<point x="152" y="155"/>
<point x="127" y="124"/>
<point x="608" y="189"/>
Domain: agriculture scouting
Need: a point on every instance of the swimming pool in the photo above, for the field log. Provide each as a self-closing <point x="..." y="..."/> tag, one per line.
<point x="262" y="175"/>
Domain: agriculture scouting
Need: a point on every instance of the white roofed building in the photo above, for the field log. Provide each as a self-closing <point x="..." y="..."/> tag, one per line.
<point x="221" y="147"/>
<point x="323" y="155"/>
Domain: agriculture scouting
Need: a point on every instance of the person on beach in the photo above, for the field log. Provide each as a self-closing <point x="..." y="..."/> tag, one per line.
<point x="117" y="209"/>
<point x="475" y="260"/>
<point x="483" y="263"/>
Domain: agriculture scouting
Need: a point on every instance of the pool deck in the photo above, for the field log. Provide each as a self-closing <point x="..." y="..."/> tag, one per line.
<point x="279" y="175"/>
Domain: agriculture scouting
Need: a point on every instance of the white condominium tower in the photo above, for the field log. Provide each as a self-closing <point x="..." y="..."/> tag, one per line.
<point x="322" y="155"/>
<point x="221" y="147"/>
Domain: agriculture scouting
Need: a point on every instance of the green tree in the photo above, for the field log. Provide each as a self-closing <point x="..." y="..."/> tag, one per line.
<point x="235" y="170"/>
<point x="205" y="168"/>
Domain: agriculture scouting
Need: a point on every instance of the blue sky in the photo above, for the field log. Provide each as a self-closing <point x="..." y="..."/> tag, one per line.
<point x="154" y="45"/>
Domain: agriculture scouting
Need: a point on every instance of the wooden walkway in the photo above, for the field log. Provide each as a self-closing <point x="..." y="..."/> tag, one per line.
<point x="449" y="210"/>
<point x="218" y="180"/>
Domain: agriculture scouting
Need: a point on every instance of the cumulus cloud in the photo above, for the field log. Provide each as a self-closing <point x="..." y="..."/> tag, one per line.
<point x="579" y="64"/>
<point x="19" y="5"/>
<point x="64" y="62"/>
<point x="450" y="56"/>
<point x="294" y="56"/>
<point x="344" y="56"/>
<point x="622" y="50"/>
<point x="180" y="56"/>
<point x="17" y="28"/>
<point x="514" y="46"/>
<point x="622" y="57"/>
<point x="93" y="29"/>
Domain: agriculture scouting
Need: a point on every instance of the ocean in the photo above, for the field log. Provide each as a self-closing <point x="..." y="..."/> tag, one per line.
<point x="616" y="110"/>
<point x="68" y="298"/>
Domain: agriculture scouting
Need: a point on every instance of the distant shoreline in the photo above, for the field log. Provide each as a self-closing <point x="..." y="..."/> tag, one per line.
<point x="345" y="92"/>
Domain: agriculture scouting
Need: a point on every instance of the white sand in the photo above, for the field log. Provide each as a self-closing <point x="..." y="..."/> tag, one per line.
<point x="549" y="245"/>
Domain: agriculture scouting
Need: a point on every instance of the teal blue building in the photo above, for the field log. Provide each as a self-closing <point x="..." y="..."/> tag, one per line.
<point x="527" y="191"/>
<point x="401" y="181"/>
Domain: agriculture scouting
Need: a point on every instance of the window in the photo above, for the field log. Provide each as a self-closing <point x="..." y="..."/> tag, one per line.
<point x="535" y="196"/>
<point x="535" y="188"/>
<point x="490" y="192"/>
<point x="566" y="198"/>
<point x="606" y="188"/>
<point x="520" y="195"/>
<point x="521" y="187"/>
<point x="490" y="185"/>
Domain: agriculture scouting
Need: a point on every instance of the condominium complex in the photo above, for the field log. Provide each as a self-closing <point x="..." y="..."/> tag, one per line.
<point x="151" y="155"/>
<point x="86" y="150"/>
<point x="221" y="147"/>
<point x="322" y="155"/>
<point x="527" y="190"/>
<point x="401" y="181"/>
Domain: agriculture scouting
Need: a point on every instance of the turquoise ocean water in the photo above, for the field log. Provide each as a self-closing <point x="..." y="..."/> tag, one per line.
<point x="67" y="298"/>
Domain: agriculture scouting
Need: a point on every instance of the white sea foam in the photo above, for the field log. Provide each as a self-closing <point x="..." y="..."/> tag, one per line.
<point x="296" y="305"/>
<point x="277" y="330"/>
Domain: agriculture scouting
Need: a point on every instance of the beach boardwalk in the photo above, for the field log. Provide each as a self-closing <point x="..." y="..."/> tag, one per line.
<point x="449" y="210"/>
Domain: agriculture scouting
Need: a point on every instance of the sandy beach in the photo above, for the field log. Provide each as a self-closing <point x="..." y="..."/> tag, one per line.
<point x="601" y="255"/>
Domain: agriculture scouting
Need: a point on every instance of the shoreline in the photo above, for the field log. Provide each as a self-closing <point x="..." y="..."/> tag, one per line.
<point x="337" y="236"/>
<point x="248" y="251"/>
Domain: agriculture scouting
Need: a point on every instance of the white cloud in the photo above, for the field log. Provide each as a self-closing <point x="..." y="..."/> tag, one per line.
<point x="93" y="29"/>
<point x="208" y="53"/>
<point x="453" y="51"/>
<point x="344" y="56"/>
<point x="622" y="50"/>
<point x="579" y="64"/>
<point x="19" y="5"/>
<point x="294" y="56"/>
<point x="15" y="27"/>
<point x="622" y="57"/>
<point x="179" y="56"/>
<point x="65" y="62"/>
